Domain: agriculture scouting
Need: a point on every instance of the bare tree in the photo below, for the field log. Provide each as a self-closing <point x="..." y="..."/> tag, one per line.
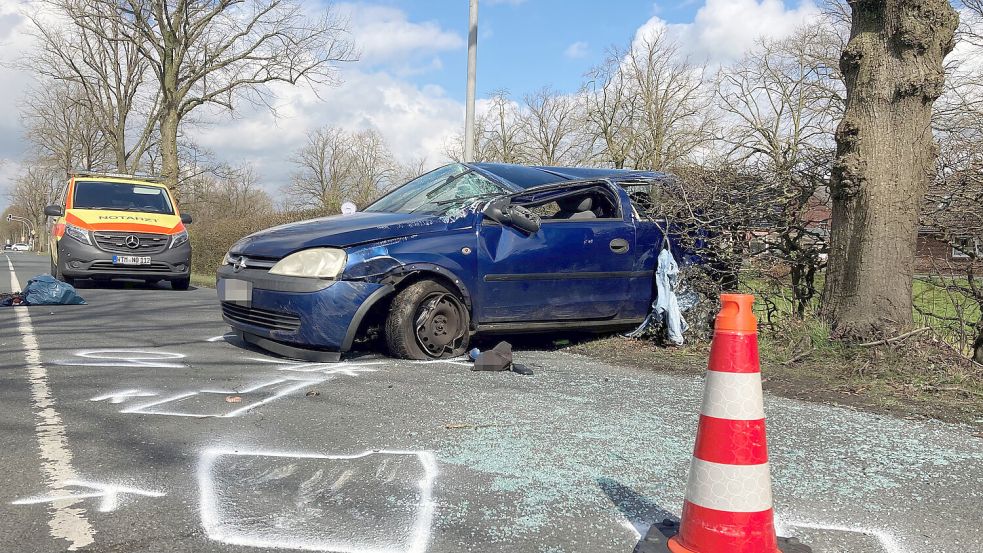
<point x="61" y="129"/>
<point x="372" y="167"/>
<point x="34" y="189"/>
<point x="107" y="74"/>
<point x="554" y="126"/>
<point x="893" y="71"/>
<point x="671" y="120"/>
<point x="501" y="136"/>
<point x="219" y="52"/>
<point x="611" y="108"/>
<point x="783" y="99"/>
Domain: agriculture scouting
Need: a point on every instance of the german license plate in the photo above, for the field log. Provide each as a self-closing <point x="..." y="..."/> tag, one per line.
<point x="130" y="260"/>
<point x="235" y="291"/>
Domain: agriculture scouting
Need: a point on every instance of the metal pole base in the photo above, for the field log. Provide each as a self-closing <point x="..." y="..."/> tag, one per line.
<point x="657" y="540"/>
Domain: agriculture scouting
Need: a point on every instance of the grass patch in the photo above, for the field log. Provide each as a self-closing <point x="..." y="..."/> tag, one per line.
<point x="202" y="280"/>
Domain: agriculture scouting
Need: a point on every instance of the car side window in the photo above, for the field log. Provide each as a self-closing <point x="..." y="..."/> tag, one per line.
<point x="577" y="205"/>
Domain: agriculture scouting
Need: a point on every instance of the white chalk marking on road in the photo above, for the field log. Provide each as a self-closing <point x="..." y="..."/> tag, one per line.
<point x="124" y="358"/>
<point x="220" y="338"/>
<point x="66" y="523"/>
<point x="121" y="396"/>
<point x="455" y="361"/>
<point x="108" y="492"/>
<point x="887" y="541"/>
<point x="153" y="408"/>
<point x="218" y="528"/>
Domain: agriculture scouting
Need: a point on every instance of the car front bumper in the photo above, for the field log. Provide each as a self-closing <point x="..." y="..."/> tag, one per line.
<point x="304" y="318"/>
<point x="80" y="260"/>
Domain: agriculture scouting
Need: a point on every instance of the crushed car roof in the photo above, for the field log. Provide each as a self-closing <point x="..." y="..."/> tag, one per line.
<point x="526" y="176"/>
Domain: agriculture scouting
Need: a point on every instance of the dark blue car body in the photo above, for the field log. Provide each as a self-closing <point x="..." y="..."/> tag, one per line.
<point x="567" y="275"/>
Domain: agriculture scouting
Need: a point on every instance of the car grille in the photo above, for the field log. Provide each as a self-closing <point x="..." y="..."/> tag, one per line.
<point x="110" y="267"/>
<point x="270" y="320"/>
<point x="115" y="242"/>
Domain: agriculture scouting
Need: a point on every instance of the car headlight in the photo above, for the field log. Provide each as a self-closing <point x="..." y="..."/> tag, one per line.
<point x="227" y="260"/>
<point x="78" y="233"/>
<point x="179" y="238"/>
<point x="313" y="263"/>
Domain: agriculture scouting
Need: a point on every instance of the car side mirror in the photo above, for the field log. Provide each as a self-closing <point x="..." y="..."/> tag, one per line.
<point x="186" y="219"/>
<point x="514" y="216"/>
<point x="54" y="211"/>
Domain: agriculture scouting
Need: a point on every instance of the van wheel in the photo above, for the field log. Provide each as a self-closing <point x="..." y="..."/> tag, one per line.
<point x="181" y="283"/>
<point x="427" y="321"/>
<point x="57" y="273"/>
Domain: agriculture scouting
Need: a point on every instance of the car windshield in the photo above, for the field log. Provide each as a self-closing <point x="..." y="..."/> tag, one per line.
<point x="120" y="196"/>
<point x="438" y="192"/>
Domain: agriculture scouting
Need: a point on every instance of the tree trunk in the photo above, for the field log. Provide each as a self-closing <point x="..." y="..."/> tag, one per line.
<point x="170" y="166"/>
<point x="893" y="71"/>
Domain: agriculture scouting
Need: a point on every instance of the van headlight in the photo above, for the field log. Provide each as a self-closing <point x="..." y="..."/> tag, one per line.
<point x="179" y="238"/>
<point x="78" y="233"/>
<point x="313" y="263"/>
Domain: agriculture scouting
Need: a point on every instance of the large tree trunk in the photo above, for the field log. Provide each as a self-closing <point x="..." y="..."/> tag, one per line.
<point x="170" y="165"/>
<point x="885" y="159"/>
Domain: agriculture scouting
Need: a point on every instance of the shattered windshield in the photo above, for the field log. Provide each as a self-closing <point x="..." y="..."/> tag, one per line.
<point x="437" y="192"/>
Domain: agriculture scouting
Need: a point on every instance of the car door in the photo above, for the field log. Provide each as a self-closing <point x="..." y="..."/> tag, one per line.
<point x="575" y="269"/>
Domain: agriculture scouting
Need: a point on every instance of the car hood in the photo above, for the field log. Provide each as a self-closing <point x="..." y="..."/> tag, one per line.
<point x="124" y="221"/>
<point x="338" y="231"/>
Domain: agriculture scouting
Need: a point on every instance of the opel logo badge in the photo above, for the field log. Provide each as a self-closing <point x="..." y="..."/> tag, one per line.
<point x="239" y="264"/>
<point x="132" y="242"/>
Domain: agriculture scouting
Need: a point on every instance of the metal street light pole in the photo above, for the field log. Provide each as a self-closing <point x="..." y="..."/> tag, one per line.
<point x="472" y="77"/>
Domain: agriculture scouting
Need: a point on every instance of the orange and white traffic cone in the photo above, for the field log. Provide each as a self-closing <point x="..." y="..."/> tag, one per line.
<point x="728" y="505"/>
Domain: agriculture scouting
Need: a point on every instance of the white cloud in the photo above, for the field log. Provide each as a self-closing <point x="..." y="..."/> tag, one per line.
<point x="577" y="50"/>
<point x="724" y="29"/>
<point x="415" y="121"/>
<point x="384" y="36"/>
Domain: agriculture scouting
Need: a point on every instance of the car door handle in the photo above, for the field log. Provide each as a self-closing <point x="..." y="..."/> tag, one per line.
<point x="619" y="245"/>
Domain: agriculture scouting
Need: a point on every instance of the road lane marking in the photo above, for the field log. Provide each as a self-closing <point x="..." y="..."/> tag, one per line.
<point x="67" y="522"/>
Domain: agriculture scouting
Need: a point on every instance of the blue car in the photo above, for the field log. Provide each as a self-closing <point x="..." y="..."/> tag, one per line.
<point x="464" y="249"/>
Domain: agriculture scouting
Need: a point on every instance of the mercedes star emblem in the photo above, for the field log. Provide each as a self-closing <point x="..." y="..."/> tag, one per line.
<point x="132" y="242"/>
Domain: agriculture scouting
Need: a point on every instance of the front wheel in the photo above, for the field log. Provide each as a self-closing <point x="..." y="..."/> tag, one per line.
<point x="427" y="321"/>
<point x="60" y="275"/>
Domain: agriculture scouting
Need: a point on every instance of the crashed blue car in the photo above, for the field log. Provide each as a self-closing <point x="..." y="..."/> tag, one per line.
<point x="464" y="249"/>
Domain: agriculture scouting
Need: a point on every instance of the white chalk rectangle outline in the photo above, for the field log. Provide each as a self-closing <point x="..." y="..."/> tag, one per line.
<point x="209" y="519"/>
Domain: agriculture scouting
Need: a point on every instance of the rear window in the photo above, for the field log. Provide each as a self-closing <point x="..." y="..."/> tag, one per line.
<point x="118" y="196"/>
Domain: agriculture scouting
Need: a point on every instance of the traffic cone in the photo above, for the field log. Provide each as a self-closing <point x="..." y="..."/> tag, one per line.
<point x="728" y="505"/>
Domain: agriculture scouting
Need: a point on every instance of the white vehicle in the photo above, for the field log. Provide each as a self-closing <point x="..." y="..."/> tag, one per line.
<point x="19" y="247"/>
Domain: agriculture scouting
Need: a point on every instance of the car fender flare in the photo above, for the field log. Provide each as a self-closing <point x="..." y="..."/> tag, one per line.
<point x="389" y="282"/>
<point x="403" y="272"/>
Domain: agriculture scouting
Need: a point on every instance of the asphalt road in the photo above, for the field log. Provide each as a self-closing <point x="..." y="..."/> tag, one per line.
<point x="130" y="425"/>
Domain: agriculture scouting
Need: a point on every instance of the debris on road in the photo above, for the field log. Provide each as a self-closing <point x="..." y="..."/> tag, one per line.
<point x="497" y="359"/>
<point x="43" y="290"/>
<point x="7" y="300"/>
<point x="233" y="399"/>
<point x="313" y="393"/>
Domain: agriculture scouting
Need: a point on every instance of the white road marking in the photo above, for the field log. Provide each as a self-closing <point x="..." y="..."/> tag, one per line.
<point x="66" y="522"/>
<point x="108" y="492"/>
<point x="124" y="395"/>
<point x="888" y="542"/>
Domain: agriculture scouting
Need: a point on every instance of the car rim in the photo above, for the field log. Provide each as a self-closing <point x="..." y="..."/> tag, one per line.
<point x="439" y="327"/>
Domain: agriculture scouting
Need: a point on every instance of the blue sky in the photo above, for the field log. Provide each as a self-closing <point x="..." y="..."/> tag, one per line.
<point x="525" y="45"/>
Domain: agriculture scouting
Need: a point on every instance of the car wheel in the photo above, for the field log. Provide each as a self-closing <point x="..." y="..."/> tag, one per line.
<point x="427" y="321"/>
<point x="181" y="283"/>
<point x="57" y="273"/>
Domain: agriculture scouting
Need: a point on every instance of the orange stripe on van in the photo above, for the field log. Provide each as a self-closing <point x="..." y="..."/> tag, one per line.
<point x="123" y="227"/>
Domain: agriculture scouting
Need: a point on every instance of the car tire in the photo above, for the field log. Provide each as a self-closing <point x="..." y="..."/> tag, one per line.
<point x="60" y="275"/>
<point x="181" y="283"/>
<point x="427" y="321"/>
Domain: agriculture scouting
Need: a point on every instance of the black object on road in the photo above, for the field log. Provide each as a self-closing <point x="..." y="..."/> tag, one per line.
<point x="499" y="358"/>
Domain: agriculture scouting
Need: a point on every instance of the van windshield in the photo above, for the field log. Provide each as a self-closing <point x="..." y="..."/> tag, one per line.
<point x="438" y="191"/>
<point x="120" y="196"/>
